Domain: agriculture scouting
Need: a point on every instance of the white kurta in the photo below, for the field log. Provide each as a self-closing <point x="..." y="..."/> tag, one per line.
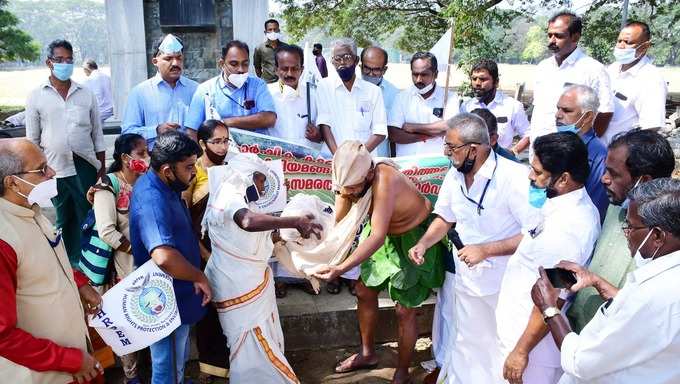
<point x="243" y="292"/>
<point x="568" y="230"/>
<point x="635" y="338"/>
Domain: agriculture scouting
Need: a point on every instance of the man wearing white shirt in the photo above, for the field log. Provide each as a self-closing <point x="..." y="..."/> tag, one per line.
<point x="100" y="84"/>
<point x="486" y="196"/>
<point x="638" y="86"/>
<point x="568" y="227"/>
<point x="635" y="335"/>
<point x="350" y="108"/>
<point x="294" y="120"/>
<point x="373" y="67"/>
<point x="510" y="116"/>
<point x="568" y="66"/>
<point x="416" y="109"/>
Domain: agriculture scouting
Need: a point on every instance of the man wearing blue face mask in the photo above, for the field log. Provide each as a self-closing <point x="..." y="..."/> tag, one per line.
<point x="350" y="108"/>
<point x="62" y="118"/>
<point x="566" y="230"/>
<point x="576" y="112"/>
<point x="638" y="86"/>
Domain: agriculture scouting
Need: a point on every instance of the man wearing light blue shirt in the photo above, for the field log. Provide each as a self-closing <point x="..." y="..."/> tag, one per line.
<point x="238" y="99"/>
<point x="373" y="68"/>
<point x="160" y="103"/>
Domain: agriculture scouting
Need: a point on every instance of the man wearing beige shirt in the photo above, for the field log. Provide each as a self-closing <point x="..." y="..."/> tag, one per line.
<point x="62" y="118"/>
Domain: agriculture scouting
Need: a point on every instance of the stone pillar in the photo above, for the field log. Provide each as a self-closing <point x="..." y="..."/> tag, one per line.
<point x="125" y="24"/>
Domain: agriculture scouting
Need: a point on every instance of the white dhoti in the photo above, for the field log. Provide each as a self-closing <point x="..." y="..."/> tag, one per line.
<point x="474" y="356"/>
<point x="443" y="323"/>
<point x="243" y="288"/>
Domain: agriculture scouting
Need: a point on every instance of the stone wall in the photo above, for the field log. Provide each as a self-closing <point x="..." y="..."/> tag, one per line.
<point x="201" y="46"/>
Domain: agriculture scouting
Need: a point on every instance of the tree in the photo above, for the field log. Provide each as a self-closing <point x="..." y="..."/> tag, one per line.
<point x="535" y="48"/>
<point x="81" y="22"/>
<point x="15" y="44"/>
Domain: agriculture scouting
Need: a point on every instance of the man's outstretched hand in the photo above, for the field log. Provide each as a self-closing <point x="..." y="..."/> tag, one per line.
<point x="307" y="227"/>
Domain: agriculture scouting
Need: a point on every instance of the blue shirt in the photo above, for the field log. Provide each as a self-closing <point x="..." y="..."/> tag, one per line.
<point x="230" y="102"/>
<point x="597" y="154"/>
<point x="389" y="93"/>
<point x="159" y="217"/>
<point x="153" y="102"/>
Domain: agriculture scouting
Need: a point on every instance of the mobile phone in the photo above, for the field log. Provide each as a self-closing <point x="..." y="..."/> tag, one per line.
<point x="560" y="278"/>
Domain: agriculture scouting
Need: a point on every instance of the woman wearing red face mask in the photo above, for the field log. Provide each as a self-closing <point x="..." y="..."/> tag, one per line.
<point x="111" y="203"/>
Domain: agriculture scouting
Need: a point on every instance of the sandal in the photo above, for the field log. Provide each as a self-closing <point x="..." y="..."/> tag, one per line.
<point x="352" y="286"/>
<point x="354" y="365"/>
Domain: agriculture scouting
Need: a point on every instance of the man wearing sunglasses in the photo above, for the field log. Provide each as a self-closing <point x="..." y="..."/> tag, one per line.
<point x="638" y="86"/>
<point x="62" y="118"/>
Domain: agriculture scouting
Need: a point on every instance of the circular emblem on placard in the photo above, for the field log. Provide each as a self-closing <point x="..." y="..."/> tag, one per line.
<point x="272" y="188"/>
<point x="149" y="304"/>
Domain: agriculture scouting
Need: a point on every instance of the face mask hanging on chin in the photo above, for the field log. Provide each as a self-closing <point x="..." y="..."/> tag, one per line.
<point x="237" y="80"/>
<point x="639" y="260"/>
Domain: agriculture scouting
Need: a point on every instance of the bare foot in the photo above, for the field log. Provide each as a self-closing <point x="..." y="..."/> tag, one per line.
<point x="401" y="376"/>
<point x="356" y="362"/>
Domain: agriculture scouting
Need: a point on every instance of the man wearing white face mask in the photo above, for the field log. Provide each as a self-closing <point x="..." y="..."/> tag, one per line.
<point x="238" y="99"/>
<point x="263" y="58"/>
<point x="635" y="335"/>
<point x="44" y="336"/>
<point x="638" y="86"/>
<point x="417" y="123"/>
<point x="239" y="274"/>
<point x="62" y="118"/>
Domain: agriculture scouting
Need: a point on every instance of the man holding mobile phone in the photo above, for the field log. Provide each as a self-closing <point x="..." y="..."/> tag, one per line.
<point x="567" y="229"/>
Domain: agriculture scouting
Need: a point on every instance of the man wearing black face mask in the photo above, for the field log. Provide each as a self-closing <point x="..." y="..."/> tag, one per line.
<point x="510" y="116"/>
<point x="161" y="229"/>
<point x="485" y="196"/>
<point x="350" y="108"/>
<point x="568" y="66"/>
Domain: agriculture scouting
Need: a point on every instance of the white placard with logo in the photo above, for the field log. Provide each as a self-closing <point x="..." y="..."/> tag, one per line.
<point x="138" y="311"/>
<point x="274" y="198"/>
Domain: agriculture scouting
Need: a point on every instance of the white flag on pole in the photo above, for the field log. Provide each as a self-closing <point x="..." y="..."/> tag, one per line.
<point x="138" y="311"/>
<point x="441" y="50"/>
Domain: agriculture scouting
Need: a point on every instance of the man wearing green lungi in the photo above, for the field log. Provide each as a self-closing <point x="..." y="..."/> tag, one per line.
<point x="62" y="118"/>
<point x="399" y="215"/>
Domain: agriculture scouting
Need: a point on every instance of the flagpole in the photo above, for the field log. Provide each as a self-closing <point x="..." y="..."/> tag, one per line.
<point x="448" y="68"/>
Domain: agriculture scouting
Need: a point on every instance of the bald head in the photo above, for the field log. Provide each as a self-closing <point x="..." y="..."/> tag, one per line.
<point x="374" y="57"/>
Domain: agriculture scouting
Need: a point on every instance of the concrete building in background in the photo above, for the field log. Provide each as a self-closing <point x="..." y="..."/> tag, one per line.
<point x="204" y="27"/>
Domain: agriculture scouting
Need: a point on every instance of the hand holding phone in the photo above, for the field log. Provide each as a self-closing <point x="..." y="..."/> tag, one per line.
<point x="561" y="278"/>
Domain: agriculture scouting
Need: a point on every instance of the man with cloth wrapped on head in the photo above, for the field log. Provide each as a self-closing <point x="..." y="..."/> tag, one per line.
<point x="238" y="271"/>
<point x="399" y="216"/>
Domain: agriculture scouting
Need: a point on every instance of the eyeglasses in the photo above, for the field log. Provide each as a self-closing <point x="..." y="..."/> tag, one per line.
<point x="219" y="141"/>
<point x="372" y="71"/>
<point x="346" y="58"/>
<point x="42" y="171"/>
<point x="628" y="229"/>
<point x="60" y="60"/>
<point x="452" y="148"/>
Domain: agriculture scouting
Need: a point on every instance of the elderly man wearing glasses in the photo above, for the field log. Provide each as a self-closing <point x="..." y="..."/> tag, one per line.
<point x="62" y="118"/>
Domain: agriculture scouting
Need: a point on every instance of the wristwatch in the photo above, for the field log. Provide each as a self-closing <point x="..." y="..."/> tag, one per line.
<point x="550" y="312"/>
